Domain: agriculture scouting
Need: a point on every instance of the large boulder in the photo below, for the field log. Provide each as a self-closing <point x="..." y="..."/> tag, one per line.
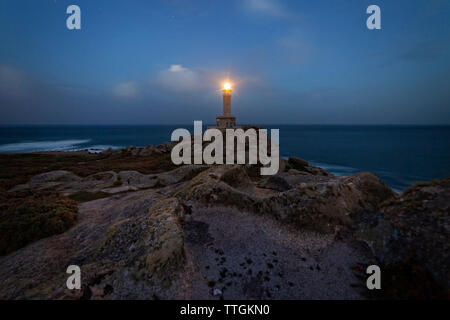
<point x="326" y="204"/>
<point x="54" y="176"/>
<point x="166" y="147"/>
<point x="48" y="180"/>
<point x="149" y="150"/>
<point x="236" y="177"/>
<point x="109" y="181"/>
<point x="421" y="216"/>
<point x="284" y="165"/>
<point x="210" y="188"/>
<point x="180" y="174"/>
<point x="138" y="180"/>
<point x="147" y="250"/>
<point x="275" y="182"/>
<point x="320" y="205"/>
<point x="156" y="239"/>
<point x="297" y="163"/>
<point x="302" y="165"/>
<point x="409" y="235"/>
<point x="92" y="183"/>
<point x="68" y="182"/>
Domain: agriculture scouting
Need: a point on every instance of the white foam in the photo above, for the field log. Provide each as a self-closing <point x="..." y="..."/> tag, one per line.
<point x="99" y="148"/>
<point x="59" y="145"/>
<point x="336" y="169"/>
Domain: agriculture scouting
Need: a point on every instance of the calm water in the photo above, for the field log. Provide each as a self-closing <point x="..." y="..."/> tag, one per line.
<point x="400" y="155"/>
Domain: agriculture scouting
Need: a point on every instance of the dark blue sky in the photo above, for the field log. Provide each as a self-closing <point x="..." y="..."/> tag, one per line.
<point x="161" y="62"/>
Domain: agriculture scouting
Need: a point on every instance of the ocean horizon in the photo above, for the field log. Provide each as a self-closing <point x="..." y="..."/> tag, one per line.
<point x="399" y="154"/>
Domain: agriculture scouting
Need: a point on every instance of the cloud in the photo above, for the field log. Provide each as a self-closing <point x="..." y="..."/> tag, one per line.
<point x="180" y="79"/>
<point x="161" y="97"/>
<point x="177" y="68"/>
<point x="267" y="7"/>
<point x="126" y="90"/>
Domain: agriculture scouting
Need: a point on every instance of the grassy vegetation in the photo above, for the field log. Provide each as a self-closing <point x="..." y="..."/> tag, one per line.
<point x="27" y="216"/>
<point x="19" y="168"/>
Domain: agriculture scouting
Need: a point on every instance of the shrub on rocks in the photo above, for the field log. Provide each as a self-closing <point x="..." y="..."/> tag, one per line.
<point x="27" y="216"/>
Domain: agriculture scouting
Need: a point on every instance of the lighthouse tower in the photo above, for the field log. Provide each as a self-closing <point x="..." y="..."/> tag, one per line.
<point x="227" y="120"/>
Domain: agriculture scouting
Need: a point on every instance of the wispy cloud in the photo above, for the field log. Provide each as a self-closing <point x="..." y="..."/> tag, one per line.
<point x="180" y="79"/>
<point x="267" y="7"/>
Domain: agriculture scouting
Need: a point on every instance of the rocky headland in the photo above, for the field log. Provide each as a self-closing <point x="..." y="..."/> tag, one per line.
<point x="141" y="228"/>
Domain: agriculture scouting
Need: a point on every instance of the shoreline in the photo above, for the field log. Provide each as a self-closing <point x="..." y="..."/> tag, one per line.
<point x="340" y="170"/>
<point x="401" y="156"/>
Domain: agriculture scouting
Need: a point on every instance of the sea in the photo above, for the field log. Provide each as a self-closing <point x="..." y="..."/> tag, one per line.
<point x="400" y="155"/>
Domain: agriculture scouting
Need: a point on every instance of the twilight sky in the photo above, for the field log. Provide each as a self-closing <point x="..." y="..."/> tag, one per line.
<point x="164" y="61"/>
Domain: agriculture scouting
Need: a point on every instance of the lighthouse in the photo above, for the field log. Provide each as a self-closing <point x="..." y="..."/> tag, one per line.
<point x="226" y="120"/>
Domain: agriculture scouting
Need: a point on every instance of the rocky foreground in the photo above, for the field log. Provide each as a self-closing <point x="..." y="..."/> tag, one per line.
<point x="212" y="232"/>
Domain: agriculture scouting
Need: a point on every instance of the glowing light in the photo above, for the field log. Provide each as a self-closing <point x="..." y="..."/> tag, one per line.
<point x="227" y="86"/>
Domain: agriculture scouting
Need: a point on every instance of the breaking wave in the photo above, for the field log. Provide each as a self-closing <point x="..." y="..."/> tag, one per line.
<point x="60" y="145"/>
<point x="337" y="170"/>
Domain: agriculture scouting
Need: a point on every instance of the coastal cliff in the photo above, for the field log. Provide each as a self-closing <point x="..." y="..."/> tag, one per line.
<point x="141" y="228"/>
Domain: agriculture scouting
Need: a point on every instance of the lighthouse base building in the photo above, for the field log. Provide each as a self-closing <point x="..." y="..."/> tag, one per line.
<point x="223" y="122"/>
